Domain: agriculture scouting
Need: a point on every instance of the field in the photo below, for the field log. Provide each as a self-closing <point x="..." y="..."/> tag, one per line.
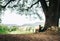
<point x="28" y="34"/>
<point x="4" y="29"/>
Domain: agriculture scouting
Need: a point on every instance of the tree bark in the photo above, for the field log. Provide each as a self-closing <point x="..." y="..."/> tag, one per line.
<point x="52" y="17"/>
<point x="51" y="14"/>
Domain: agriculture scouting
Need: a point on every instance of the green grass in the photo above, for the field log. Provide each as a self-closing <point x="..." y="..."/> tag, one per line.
<point x="15" y="30"/>
<point x="20" y="32"/>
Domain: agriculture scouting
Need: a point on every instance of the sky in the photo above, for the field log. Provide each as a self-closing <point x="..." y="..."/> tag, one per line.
<point x="13" y="18"/>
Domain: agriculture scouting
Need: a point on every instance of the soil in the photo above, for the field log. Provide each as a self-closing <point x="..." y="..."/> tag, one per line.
<point x="31" y="37"/>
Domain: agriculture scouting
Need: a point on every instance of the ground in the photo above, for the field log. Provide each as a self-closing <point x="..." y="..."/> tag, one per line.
<point x="42" y="36"/>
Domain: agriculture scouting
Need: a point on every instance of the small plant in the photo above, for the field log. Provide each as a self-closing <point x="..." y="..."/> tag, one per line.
<point x="13" y="28"/>
<point x="3" y="29"/>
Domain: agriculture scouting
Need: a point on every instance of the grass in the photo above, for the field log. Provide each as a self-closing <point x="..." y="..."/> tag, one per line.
<point x="22" y="30"/>
<point x="15" y="30"/>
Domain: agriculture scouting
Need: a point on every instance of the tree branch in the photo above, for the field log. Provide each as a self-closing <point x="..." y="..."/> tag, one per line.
<point x="44" y="5"/>
<point x="32" y="5"/>
<point x="18" y="1"/>
<point x="8" y="3"/>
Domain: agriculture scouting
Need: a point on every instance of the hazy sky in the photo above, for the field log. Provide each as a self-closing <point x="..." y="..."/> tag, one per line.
<point x="13" y="18"/>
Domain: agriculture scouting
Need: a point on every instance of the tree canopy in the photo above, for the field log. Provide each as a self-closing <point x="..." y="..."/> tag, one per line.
<point x="22" y="7"/>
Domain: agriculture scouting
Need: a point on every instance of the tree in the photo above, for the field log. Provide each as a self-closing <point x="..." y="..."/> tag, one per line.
<point x="52" y="15"/>
<point x="51" y="12"/>
<point x="21" y="7"/>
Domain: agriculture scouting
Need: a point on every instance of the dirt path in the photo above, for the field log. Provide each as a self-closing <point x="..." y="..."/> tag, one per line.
<point x="30" y="37"/>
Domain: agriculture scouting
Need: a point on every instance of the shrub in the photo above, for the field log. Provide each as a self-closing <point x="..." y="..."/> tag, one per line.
<point x="3" y="29"/>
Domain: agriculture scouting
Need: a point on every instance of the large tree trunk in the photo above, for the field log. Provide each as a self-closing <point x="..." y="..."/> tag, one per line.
<point x="52" y="17"/>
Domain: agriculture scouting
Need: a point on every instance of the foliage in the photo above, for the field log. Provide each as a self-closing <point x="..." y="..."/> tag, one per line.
<point x="13" y="28"/>
<point x="4" y="29"/>
<point x="21" y="6"/>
